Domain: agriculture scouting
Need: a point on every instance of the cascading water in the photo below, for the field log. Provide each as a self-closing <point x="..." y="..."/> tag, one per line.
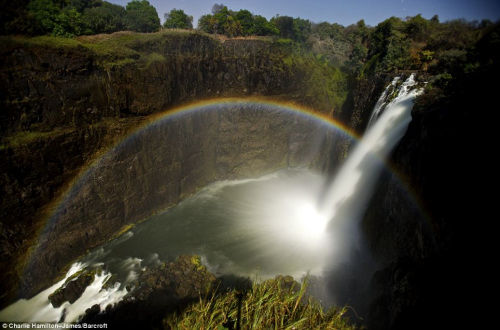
<point x="383" y="100"/>
<point x="274" y="224"/>
<point x="344" y="200"/>
<point x="39" y="308"/>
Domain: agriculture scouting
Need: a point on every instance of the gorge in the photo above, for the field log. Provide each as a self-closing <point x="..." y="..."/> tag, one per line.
<point x="255" y="227"/>
<point x="88" y="155"/>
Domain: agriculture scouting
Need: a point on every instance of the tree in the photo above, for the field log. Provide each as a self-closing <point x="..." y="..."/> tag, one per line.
<point x="142" y="17"/>
<point x="44" y="14"/>
<point x="388" y="46"/>
<point x="177" y="19"/>
<point x="106" y="18"/>
<point x="261" y="27"/>
<point x="246" y="20"/>
<point x="326" y="30"/>
<point x="417" y="28"/>
<point x="81" y="5"/>
<point x="297" y="29"/>
<point x="69" y="23"/>
<point x="216" y="8"/>
<point x="207" y="23"/>
<point x="232" y="27"/>
<point x="284" y="25"/>
<point x="301" y="29"/>
<point x="221" y="17"/>
<point x="51" y="17"/>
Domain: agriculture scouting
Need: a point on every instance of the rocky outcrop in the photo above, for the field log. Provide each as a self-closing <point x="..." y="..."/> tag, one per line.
<point x="73" y="288"/>
<point x="157" y="291"/>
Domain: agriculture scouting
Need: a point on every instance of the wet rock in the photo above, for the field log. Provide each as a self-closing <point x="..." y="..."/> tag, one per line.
<point x="73" y="288"/>
<point x="93" y="311"/>
<point x="158" y="290"/>
<point x="186" y="278"/>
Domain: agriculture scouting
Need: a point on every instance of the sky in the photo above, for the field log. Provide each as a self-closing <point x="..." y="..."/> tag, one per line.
<point x="344" y="12"/>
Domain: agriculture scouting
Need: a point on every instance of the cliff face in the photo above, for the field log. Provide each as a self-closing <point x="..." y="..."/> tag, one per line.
<point x="431" y="259"/>
<point x="363" y="94"/>
<point x="63" y="104"/>
<point x="161" y="165"/>
<point x="47" y="86"/>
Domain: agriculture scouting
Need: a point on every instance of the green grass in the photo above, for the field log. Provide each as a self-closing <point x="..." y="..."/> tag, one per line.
<point x="114" y="46"/>
<point x="55" y="42"/>
<point x="110" y="50"/>
<point x="10" y="42"/>
<point x="276" y="304"/>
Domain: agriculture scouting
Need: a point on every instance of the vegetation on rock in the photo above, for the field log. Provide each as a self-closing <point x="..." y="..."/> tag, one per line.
<point x="73" y="288"/>
<point x="279" y="303"/>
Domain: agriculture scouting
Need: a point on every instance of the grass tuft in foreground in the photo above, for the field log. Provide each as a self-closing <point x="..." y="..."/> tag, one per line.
<point x="280" y="303"/>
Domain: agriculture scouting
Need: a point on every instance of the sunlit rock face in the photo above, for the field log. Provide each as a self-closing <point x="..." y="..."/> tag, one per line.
<point x="170" y="160"/>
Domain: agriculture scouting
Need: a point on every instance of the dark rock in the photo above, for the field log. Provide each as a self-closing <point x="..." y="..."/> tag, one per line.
<point x="73" y="288"/>
<point x="430" y="248"/>
<point x="93" y="311"/>
<point x="158" y="291"/>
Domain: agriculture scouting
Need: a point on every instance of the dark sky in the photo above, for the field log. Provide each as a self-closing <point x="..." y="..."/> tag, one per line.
<point x="344" y="12"/>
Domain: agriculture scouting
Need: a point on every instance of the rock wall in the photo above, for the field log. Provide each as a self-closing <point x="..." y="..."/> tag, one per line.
<point x="166" y="162"/>
<point x="63" y="105"/>
<point x="430" y="254"/>
<point x="46" y="86"/>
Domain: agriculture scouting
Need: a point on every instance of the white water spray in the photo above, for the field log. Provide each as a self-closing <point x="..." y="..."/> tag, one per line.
<point x="39" y="308"/>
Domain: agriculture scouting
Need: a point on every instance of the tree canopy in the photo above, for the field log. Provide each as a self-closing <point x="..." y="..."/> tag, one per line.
<point x="106" y="18"/>
<point x="235" y="23"/>
<point x="394" y="44"/>
<point x="70" y="18"/>
<point x="178" y="19"/>
<point x="142" y="16"/>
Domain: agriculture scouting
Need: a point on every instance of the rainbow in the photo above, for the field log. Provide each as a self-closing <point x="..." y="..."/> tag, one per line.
<point x="170" y="114"/>
<point x="231" y="101"/>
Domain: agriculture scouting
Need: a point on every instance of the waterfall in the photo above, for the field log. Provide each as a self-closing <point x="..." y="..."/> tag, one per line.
<point x="382" y="101"/>
<point x="393" y="91"/>
<point x="273" y="221"/>
<point x="346" y="198"/>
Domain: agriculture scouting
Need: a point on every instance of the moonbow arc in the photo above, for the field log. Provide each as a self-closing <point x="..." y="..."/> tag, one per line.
<point x="205" y="105"/>
<point x="178" y="112"/>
